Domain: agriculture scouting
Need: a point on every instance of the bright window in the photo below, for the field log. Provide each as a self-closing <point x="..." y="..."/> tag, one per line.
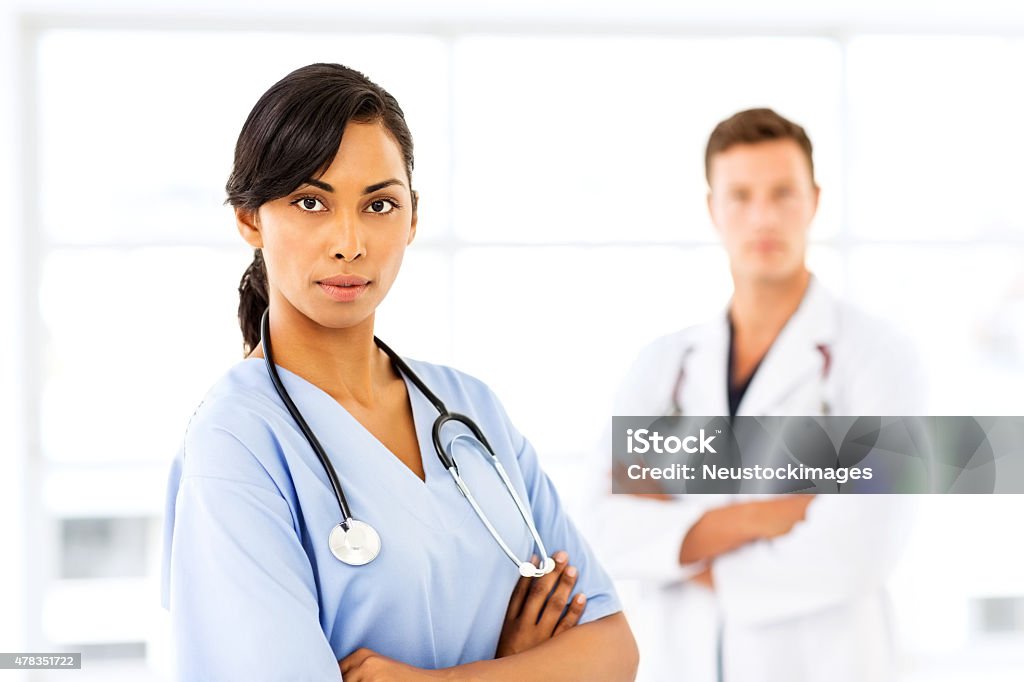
<point x="562" y="226"/>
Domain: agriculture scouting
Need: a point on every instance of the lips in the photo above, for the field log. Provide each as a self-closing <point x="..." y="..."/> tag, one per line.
<point x="344" y="281"/>
<point x="767" y="245"/>
<point x="344" y="288"/>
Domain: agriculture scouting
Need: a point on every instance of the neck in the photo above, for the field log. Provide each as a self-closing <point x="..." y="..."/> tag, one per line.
<point x="344" y="363"/>
<point x="761" y="308"/>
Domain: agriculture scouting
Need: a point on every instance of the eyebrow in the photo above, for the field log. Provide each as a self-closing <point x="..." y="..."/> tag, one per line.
<point x="381" y="185"/>
<point x="369" y="189"/>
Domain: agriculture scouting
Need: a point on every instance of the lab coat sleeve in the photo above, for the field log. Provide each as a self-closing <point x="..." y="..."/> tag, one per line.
<point x="242" y="596"/>
<point x="847" y="546"/>
<point x="558" y="532"/>
<point x="639" y="537"/>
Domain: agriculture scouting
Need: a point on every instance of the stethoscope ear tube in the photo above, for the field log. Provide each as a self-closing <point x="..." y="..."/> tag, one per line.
<point x="398" y="362"/>
<point x="446" y="459"/>
<point x="526" y="569"/>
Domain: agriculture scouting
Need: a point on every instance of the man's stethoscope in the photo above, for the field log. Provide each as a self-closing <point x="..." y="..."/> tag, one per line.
<point x="826" y="367"/>
<point x="356" y="542"/>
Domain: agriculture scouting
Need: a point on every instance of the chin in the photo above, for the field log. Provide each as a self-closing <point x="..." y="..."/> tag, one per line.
<point x="330" y="317"/>
<point x="347" y="321"/>
<point x="772" y="273"/>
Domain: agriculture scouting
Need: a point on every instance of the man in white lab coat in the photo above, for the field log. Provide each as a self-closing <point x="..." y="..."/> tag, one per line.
<point x="742" y="588"/>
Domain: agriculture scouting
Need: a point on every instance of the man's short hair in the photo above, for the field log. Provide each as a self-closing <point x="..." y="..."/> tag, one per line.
<point x="753" y="126"/>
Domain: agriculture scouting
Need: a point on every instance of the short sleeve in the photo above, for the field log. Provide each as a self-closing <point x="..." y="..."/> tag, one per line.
<point x="559" y="533"/>
<point x="238" y="583"/>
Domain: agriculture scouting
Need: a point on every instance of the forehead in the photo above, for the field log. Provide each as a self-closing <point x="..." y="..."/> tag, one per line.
<point x="760" y="162"/>
<point x="367" y="154"/>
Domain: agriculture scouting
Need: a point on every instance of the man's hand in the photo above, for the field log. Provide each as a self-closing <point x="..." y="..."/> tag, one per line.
<point x="705" y="578"/>
<point x="777" y="517"/>
<point x="727" y="528"/>
<point x="535" y="609"/>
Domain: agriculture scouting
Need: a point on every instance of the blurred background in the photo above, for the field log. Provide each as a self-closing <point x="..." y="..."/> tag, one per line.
<point x="559" y="158"/>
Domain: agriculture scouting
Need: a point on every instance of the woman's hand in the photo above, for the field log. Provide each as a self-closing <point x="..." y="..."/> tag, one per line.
<point x="366" y="665"/>
<point x="532" y="617"/>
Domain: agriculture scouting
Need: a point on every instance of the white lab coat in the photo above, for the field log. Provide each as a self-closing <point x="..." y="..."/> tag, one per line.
<point x="808" y="605"/>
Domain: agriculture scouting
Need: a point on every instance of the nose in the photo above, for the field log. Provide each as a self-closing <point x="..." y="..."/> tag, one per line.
<point x="348" y="243"/>
<point x="764" y="213"/>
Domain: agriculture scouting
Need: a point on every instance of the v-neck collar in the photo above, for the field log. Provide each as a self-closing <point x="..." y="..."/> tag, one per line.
<point x="422" y="425"/>
<point x="794" y="358"/>
<point x="735" y="391"/>
<point x="365" y="467"/>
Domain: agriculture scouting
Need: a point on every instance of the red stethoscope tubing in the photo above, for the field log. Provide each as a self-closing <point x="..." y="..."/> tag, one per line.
<point x="826" y="368"/>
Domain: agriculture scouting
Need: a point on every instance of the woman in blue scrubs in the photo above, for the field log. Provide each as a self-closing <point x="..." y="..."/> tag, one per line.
<point x="321" y="188"/>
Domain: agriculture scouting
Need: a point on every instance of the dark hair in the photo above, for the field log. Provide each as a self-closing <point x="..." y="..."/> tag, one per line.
<point x="292" y="135"/>
<point x="752" y="126"/>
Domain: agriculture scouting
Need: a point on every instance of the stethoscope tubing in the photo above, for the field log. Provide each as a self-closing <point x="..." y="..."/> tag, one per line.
<point x="478" y="440"/>
<point x="677" y="388"/>
<point x="314" y="443"/>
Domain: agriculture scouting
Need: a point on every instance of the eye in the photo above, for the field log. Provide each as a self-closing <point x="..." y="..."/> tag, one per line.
<point x="310" y="204"/>
<point x="382" y="206"/>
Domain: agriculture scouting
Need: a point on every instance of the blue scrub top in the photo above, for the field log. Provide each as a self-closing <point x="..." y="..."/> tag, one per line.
<point x="252" y="587"/>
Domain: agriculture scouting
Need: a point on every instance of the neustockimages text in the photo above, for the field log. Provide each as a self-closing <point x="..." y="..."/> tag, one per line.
<point x="644" y="441"/>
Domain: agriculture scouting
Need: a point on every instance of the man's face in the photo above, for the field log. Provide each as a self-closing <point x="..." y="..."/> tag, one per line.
<point x="762" y="200"/>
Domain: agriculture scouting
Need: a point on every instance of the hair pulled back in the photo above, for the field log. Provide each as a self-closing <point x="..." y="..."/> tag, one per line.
<point x="292" y="135"/>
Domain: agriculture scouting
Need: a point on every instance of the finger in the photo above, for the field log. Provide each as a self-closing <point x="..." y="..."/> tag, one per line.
<point x="354" y="659"/>
<point x="350" y="672"/>
<point x="703" y="578"/>
<point x="664" y="497"/>
<point x="515" y="602"/>
<point x="540" y="588"/>
<point x="572" y="616"/>
<point x="558" y="600"/>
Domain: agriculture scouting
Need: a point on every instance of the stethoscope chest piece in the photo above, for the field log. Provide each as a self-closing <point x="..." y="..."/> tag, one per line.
<point x="356" y="546"/>
<point x="528" y="570"/>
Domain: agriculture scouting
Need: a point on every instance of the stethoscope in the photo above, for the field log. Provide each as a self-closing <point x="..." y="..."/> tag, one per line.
<point x="356" y="542"/>
<point x="826" y="366"/>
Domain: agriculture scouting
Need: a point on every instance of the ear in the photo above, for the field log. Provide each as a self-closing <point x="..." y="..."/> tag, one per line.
<point x="248" y="223"/>
<point x="711" y="210"/>
<point x="817" y="196"/>
<point x="415" y="216"/>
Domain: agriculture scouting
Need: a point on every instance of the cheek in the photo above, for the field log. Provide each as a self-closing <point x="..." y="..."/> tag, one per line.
<point x="389" y="244"/>
<point x="395" y="256"/>
<point x="298" y="247"/>
<point x="801" y="213"/>
<point x="289" y="252"/>
<point x="732" y="231"/>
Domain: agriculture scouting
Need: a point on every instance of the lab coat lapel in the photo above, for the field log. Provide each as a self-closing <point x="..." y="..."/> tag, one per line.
<point x="794" y="359"/>
<point x="702" y="391"/>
